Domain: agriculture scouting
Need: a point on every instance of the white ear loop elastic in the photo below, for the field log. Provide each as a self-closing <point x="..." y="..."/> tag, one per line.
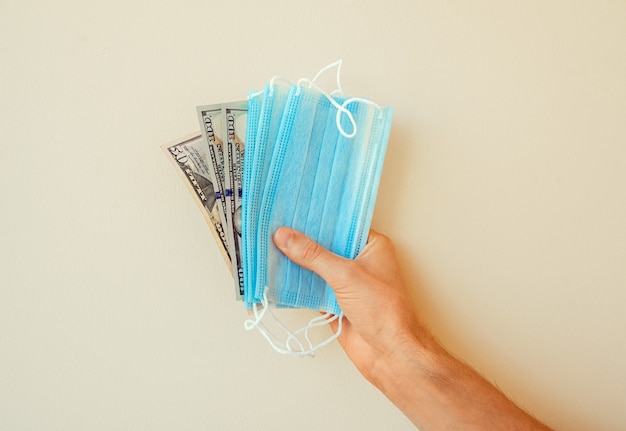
<point x="272" y="85"/>
<point x="341" y="108"/>
<point x="338" y="90"/>
<point x="323" y="70"/>
<point x="255" y="94"/>
<point x="292" y="336"/>
<point x="278" y="78"/>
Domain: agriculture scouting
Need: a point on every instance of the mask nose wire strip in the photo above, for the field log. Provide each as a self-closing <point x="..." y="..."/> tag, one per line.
<point x="286" y="348"/>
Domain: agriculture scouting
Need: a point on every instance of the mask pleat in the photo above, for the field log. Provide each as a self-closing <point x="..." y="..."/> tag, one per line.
<point x="305" y="196"/>
<point x="277" y="197"/>
<point x="270" y="117"/>
<point x="295" y="139"/>
<point x="358" y="165"/>
<point x="377" y="145"/>
<point x="321" y="203"/>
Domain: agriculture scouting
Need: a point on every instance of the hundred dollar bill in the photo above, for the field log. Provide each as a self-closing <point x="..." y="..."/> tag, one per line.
<point x="235" y="115"/>
<point x="212" y="126"/>
<point x="189" y="155"/>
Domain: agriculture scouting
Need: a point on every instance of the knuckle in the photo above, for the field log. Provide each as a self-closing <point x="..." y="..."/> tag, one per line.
<point x="385" y="240"/>
<point x="309" y="251"/>
<point x="385" y="243"/>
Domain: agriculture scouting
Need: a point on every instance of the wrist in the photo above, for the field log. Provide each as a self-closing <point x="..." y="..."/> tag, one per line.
<point x="409" y="369"/>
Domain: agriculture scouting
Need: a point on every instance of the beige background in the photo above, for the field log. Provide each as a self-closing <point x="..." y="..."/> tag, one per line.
<point x="503" y="190"/>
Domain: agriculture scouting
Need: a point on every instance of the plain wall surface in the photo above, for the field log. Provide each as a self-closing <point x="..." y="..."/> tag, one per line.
<point x="503" y="190"/>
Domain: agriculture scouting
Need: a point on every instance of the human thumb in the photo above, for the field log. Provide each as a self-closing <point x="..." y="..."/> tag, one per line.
<point x="305" y="252"/>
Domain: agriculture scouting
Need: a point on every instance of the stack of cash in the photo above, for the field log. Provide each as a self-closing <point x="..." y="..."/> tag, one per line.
<point x="211" y="163"/>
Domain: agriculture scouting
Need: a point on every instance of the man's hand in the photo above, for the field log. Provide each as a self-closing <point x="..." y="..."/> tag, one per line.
<point x="387" y="342"/>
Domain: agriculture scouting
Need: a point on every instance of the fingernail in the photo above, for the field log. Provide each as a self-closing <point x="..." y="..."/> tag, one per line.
<point x="282" y="237"/>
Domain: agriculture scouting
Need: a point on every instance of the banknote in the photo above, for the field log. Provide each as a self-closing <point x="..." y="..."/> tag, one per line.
<point x="213" y="128"/>
<point x="190" y="156"/>
<point x="235" y="116"/>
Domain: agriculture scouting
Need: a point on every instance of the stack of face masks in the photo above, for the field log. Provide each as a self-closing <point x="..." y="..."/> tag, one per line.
<point x="312" y="161"/>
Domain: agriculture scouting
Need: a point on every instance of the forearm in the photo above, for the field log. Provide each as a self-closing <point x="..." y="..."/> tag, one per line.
<point x="438" y="392"/>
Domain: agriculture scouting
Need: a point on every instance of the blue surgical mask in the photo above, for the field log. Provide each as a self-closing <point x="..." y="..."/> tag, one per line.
<point x="265" y="111"/>
<point x="254" y="109"/>
<point x="324" y="163"/>
<point x="288" y="194"/>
